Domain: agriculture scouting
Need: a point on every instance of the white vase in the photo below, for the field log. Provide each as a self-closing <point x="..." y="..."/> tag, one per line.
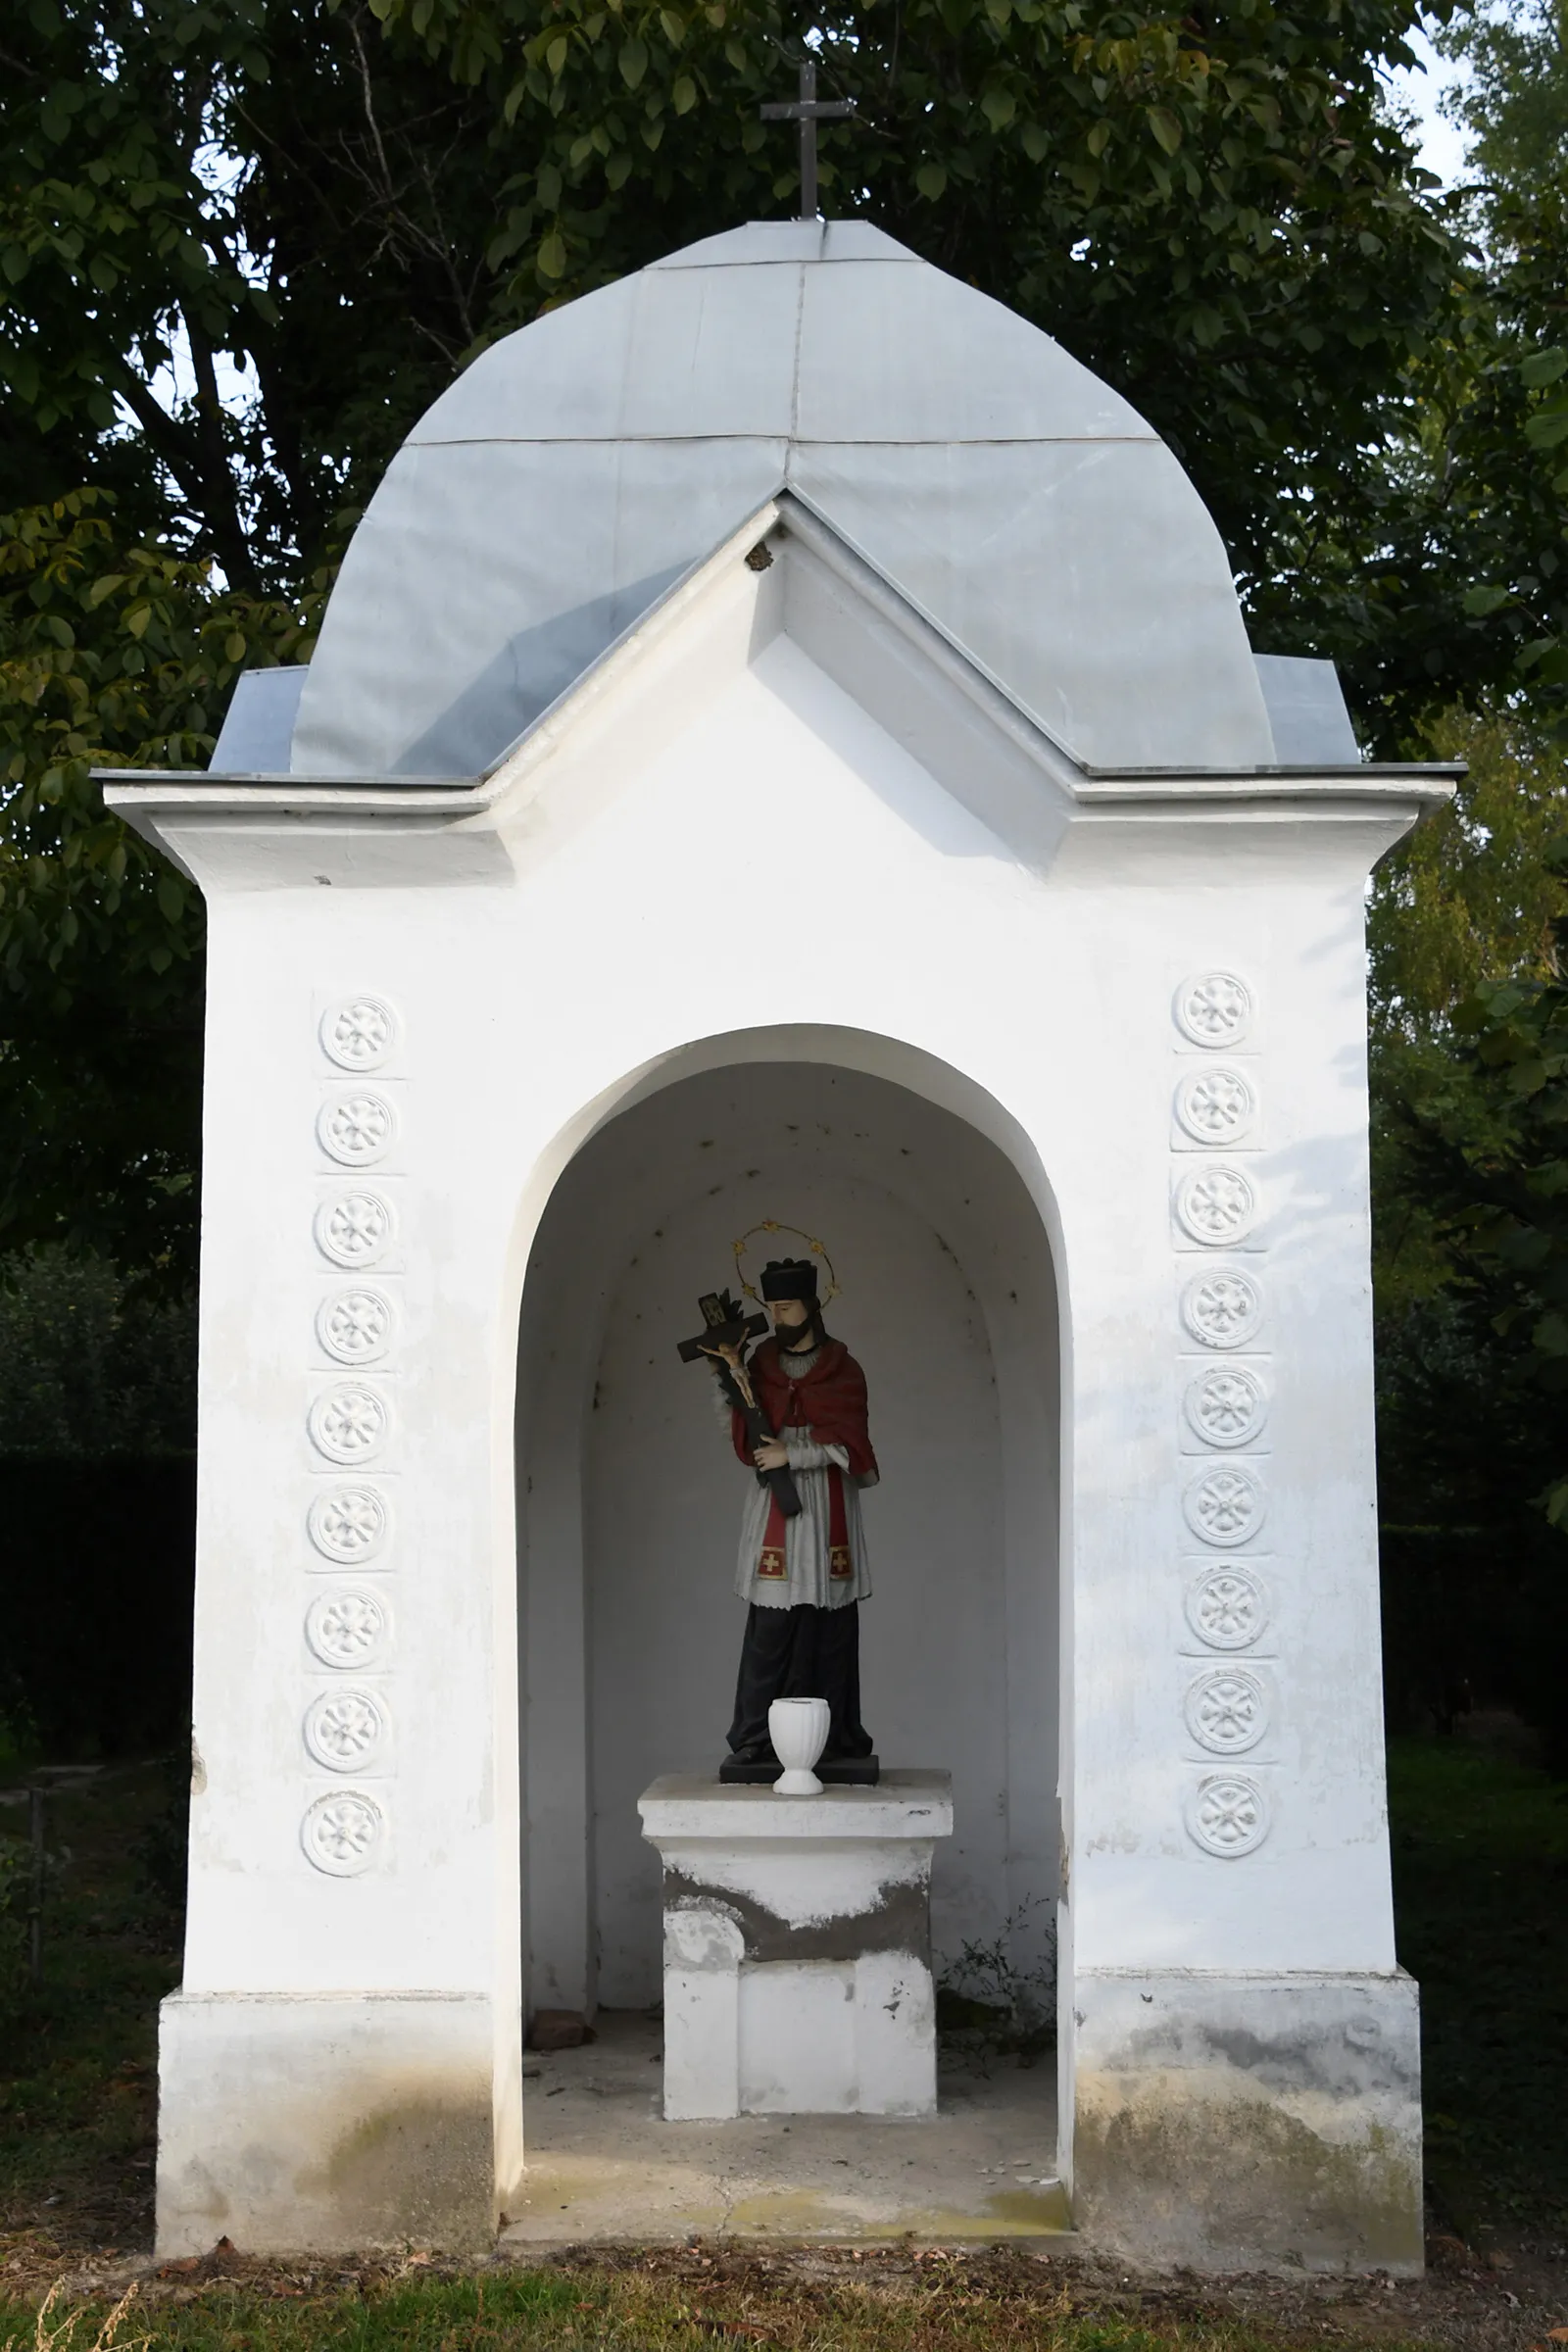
<point x="797" y="1728"/>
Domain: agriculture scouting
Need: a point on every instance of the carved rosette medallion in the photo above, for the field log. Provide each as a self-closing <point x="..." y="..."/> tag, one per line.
<point x="347" y="1629"/>
<point x="1227" y="1710"/>
<point x="343" y="1834"/>
<point x="349" y="1424"/>
<point x="1227" y="1814"/>
<point x="1225" y="1607"/>
<point x="355" y="1229"/>
<point x="1225" y="1405"/>
<point x="348" y="1524"/>
<point x="1215" y="1206"/>
<point x="359" y="1033"/>
<point x="1223" y="1309"/>
<point x="1214" y="1106"/>
<point x="1224" y="1505"/>
<point x="356" y="1129"/>
<point x="345" y="1729"/>
<point x="1215" y="1009"/>
<point x="355" y="1326"/>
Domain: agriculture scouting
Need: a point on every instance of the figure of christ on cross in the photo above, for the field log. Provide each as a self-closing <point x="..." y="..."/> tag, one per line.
<point x="804" y="1575"/>
<point x="808" y="110"/>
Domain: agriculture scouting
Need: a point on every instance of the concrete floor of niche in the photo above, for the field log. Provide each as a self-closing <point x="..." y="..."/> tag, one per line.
<point x="603" y="2164"/>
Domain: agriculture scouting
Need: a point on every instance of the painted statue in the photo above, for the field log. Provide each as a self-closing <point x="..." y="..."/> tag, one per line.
<point x="804" y="1572"/>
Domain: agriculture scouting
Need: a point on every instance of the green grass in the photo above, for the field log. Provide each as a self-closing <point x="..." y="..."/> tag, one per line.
<point x="678" y="2302"/>
<point x="1480" y="1905"/>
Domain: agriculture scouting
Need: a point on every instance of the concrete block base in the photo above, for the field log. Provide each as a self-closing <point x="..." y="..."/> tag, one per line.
<point x="1233" y="2123"/>
<point x="323" y="2124"/>
<point x="798" y="1946"/>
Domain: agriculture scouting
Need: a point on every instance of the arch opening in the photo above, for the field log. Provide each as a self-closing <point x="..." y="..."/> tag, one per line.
<point x="630" y="1498"/>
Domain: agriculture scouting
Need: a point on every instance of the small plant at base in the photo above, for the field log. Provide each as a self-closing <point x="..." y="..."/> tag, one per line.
<point x="987" y="2004"/>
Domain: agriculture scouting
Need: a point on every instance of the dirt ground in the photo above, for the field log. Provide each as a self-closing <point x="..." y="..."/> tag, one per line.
<point x="1504" y="2303"/>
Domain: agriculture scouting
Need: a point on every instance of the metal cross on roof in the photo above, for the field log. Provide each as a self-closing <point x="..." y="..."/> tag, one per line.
<point x="808" y="110"/>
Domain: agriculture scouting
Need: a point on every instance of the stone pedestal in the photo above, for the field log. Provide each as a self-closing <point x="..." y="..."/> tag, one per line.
<point x="798" y="1945"/>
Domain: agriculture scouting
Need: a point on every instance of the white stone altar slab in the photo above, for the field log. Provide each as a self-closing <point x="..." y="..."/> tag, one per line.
<point x="798" y="1945"/>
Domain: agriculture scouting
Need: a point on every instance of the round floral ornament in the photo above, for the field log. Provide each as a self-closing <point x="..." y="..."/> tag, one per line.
<point x="358" y="1033"/>
<point x="1225" y="1607"/>
<point x="345" y="1729"/>
<point x="1227" y="1710"/>
<point x="1227" y="1814"/>
<point x="354" y="1129"/>
<point x="349" y="1424"/>
<point x="1215" y="1206"/>
<point x="355" y="1326"/>
<point x="347" y="1629"/>
<point x="348" y="1523"/>
<point x="343" y="1832"/>
<point x="1224" y="1505"/>
<point x="1213" y="1010"/>
<point x="1214" y="1106"/>
<point x="355" y="1229"/>
<point x="1225" y="1405"/>
<point x="1222" y="1308"/>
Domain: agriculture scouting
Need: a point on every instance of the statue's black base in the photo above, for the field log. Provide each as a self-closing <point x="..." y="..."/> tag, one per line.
<point x="840" y="1772"/>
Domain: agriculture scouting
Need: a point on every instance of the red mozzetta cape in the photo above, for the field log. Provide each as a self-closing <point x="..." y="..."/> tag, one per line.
<point x="830" y="1402"/>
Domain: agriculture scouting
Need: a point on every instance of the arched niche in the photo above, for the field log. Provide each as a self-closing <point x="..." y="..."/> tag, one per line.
<point x="630" y="1498"/>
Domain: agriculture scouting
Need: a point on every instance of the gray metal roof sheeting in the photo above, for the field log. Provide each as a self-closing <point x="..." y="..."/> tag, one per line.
<point x="581" y="465"/>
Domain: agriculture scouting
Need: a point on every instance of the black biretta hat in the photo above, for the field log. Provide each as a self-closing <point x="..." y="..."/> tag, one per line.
<point x="790" y="1278"/>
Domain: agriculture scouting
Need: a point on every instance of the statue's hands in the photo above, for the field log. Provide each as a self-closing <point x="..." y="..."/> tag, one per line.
<point x="772" y="1457"/>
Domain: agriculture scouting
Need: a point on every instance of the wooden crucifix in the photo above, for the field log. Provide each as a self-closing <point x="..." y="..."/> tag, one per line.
<point x="727" y="1324"/>
<point x="808" y="110"/>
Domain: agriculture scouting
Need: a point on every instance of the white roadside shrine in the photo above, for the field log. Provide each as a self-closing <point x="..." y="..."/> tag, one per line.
<point x="783" y="743"/>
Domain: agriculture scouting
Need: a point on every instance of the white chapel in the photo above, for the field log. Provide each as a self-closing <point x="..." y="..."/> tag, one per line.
<point x="783" y="750"/>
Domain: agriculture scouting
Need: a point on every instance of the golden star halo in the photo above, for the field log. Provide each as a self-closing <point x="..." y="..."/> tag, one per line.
<point x="772" y="1225"/>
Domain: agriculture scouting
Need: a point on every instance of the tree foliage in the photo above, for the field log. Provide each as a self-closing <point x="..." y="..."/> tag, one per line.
<point x="1214" y="209"/>
<point x="1483" y="1135"/>
<point x="111" y="655"/>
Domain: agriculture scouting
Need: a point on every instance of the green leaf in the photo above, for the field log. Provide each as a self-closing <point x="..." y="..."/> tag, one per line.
<point x="633" y="62"/>
<point x="931" y="179"/>
<point x="998" y="106"/>
<point x="1478" y="602"/>
<point x="1165" y="127"/>
<point x="137" y="618"/>
<point x="683" y="96"/>
<point x="557" y="53"/>
<point x="551" y="257"/>
<point x="1549" y="426"/>
<point x="1543" y="367"/>
<point x="171" y="898"/>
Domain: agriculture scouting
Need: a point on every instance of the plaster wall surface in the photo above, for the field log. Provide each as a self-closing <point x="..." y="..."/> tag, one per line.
<point x="549" y="962"/>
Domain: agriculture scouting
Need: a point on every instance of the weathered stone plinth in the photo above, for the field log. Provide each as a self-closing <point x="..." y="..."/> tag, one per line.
<point x="798" y="1946"/>
<point x="1242" y="2121"/>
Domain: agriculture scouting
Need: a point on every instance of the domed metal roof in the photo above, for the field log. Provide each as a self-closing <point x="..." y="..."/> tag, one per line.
<point x="580" y="467"/>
